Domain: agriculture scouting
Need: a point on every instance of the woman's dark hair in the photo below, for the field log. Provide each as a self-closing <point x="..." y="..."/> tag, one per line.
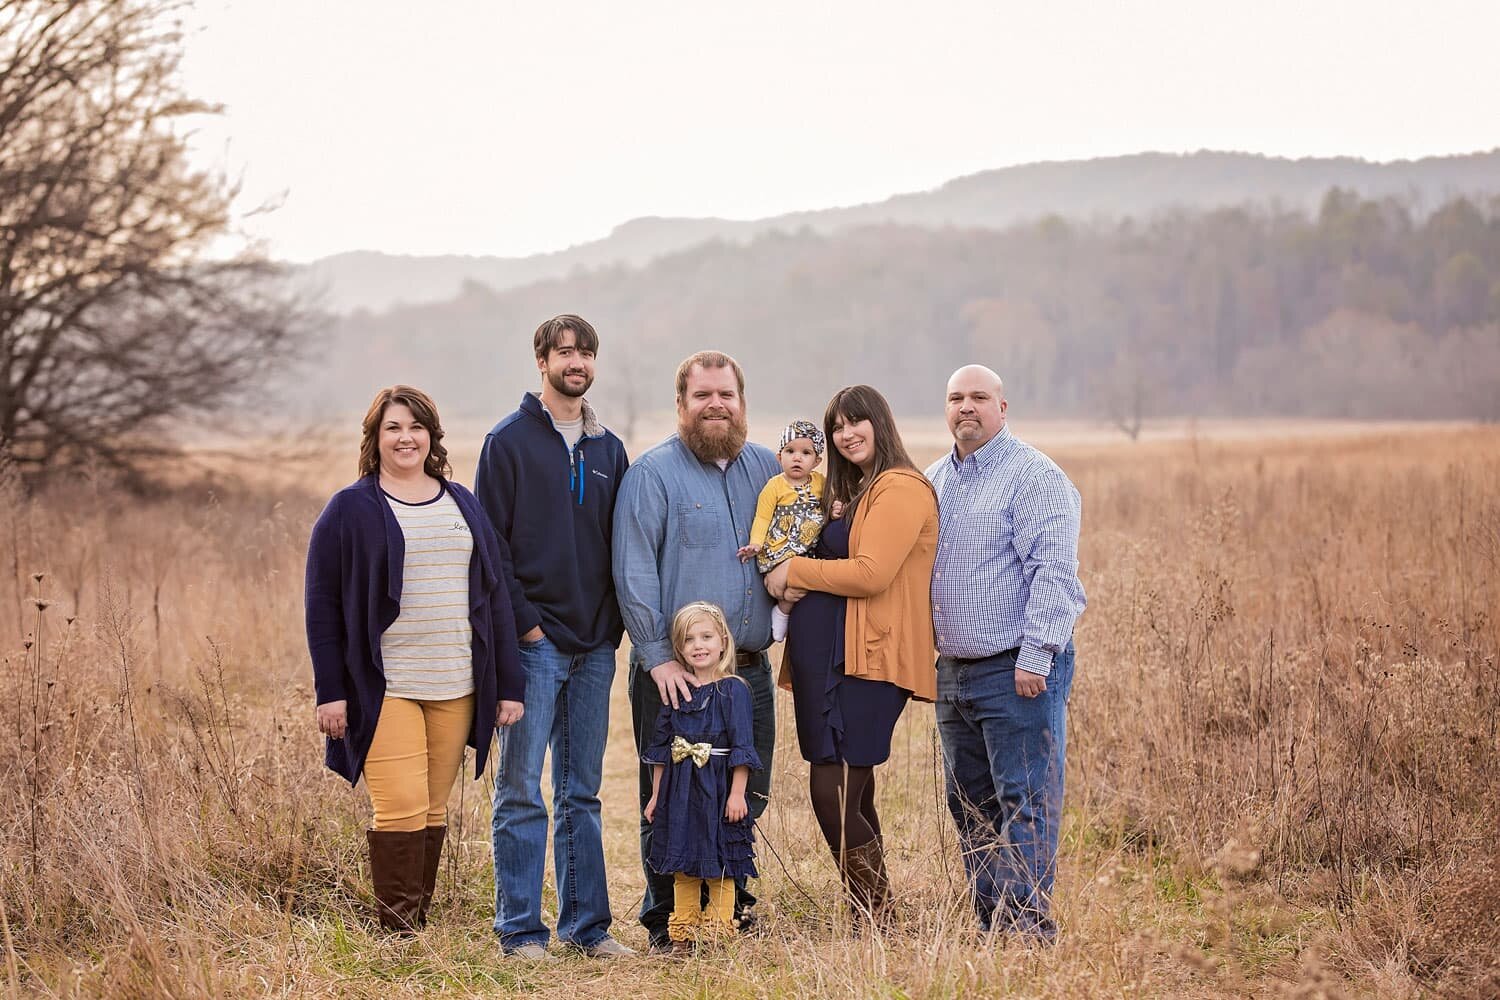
<point x="422" y="407"/>
<point x="846" y="483"/>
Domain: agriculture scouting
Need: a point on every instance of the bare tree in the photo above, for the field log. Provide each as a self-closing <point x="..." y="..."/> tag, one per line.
<point x="112" y="315"/>
<point x="1124" y="392"/>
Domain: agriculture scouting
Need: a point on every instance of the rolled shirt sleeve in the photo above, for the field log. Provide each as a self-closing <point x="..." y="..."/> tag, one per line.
<point x="639" y="532"/>
<point x="1048" y="517"/>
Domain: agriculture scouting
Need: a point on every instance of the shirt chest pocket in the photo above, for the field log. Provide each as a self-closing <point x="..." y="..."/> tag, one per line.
<point x="697" y="526"/>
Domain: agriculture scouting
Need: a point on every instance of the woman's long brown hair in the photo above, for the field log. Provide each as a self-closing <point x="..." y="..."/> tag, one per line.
<point x="424" y="409"/>
<point x="846" y="483"/>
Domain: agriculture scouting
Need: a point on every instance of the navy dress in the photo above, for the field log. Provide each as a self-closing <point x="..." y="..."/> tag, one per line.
<point x="824" y="699"/>
<point x="689" y="833"/>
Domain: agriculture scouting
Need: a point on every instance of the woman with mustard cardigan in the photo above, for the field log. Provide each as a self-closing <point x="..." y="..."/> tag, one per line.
<point x="860" y="642"/>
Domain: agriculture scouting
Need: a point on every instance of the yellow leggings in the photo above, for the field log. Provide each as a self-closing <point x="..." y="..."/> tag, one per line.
<point x="414" y="757"/>
<point x="689" y="916"/>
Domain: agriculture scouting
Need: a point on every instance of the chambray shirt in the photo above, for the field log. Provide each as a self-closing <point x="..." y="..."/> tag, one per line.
<point x="678" y="524"/>
<point x="1007" y="561"/>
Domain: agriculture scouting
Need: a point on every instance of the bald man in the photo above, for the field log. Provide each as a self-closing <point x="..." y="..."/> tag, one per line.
<point x="1005" y="595"/>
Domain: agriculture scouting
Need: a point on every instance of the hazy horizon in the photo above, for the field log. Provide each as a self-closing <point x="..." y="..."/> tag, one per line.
<point x="794" y="210"/>
<point x="510" y="130"/>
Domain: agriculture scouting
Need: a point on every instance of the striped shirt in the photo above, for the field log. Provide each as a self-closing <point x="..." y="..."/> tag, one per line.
<point x="427" y="651"/>
<point x="1007" y="564"/>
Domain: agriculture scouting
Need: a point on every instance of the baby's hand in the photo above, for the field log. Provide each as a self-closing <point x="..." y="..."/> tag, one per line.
<point x="735" y="809"/>
<point x="838" y="509"/>
<point x="749" y="552"/>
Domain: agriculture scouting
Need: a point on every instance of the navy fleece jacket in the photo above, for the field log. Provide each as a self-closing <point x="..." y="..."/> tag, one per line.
<point x="555" y="510"/>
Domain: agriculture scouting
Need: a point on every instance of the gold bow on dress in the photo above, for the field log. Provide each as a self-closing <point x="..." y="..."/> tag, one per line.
<point x="682" y="750"/>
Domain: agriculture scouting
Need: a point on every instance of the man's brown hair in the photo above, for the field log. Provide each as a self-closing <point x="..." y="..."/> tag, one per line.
<point x="549" y="335"/>
<point x="708" y="359"/>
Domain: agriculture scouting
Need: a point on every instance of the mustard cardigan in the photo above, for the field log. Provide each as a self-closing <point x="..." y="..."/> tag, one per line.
<point x="888" y="579"/>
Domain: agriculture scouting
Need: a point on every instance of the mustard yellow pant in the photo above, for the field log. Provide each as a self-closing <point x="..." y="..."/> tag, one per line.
<point x="689" y="919"/>
<point x="414" y="757"/>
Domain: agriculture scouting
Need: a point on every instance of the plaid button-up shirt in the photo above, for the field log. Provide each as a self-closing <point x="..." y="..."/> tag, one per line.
<point x="1007" y="561"/>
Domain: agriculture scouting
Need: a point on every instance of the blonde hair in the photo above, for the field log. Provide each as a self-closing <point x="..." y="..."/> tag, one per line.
<point x="684" y="619"/>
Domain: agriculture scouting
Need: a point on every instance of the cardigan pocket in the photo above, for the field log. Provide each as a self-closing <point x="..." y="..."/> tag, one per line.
<point x="877" y="644"/>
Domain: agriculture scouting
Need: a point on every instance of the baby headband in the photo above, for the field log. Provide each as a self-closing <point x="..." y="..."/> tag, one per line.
<point x="802" y="429"/>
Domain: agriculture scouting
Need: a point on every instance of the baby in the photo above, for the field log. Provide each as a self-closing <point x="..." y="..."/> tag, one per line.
<point x="789" y="513"/>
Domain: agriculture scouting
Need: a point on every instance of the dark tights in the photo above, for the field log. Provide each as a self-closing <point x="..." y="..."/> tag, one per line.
<point x="843" y="799"/>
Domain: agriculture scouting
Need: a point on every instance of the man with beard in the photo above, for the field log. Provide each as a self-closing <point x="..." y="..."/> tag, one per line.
<point x="683" y="513"/>
<point x="547" y="478"/>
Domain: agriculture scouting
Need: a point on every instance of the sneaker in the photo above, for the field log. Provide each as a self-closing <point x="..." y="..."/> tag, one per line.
<point x="532" y="953"/>
<point x="609" y="948"/>
<point x="748" y="924"/>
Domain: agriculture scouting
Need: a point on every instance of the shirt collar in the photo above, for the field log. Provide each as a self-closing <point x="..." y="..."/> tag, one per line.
<point x="988" y="452"/>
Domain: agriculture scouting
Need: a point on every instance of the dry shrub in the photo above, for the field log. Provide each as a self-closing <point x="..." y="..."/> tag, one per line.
<point x="1457" y="941"/>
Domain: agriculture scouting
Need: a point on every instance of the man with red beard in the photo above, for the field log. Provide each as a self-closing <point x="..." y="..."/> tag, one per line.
<point x="683" y="512"/>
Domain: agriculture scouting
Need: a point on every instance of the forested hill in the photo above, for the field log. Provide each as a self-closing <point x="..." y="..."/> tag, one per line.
<point x="1137" y="186"/>
<point x="1361" y="309"/>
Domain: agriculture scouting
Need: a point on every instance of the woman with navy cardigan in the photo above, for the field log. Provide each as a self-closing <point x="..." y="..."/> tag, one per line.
<point x="412" y="639"/>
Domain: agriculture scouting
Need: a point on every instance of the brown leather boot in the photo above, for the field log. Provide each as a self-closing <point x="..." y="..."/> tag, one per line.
<point x="432" y="855"/>
<point x="866" y="882"/>
<point x="396" y="863"/>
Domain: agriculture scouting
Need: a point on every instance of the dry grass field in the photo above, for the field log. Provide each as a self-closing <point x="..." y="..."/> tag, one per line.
<point x="1284" y="766"/>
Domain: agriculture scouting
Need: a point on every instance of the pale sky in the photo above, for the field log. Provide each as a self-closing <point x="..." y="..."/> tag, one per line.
<point x="456" y="126"/>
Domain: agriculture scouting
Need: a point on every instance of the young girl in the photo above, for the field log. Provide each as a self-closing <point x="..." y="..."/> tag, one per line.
<point x="701" y="759"/>
<point x="789" y="513"/>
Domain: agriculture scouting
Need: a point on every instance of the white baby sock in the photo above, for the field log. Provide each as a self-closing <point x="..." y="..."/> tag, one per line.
<point x="779" y="619"/>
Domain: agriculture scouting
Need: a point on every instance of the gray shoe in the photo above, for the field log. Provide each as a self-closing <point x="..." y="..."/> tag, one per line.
<point x="532" y="953"/>
<point x="609" y="948"/>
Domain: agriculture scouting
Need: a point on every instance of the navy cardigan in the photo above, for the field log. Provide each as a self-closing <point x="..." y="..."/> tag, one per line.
<point x="354" y="571"/>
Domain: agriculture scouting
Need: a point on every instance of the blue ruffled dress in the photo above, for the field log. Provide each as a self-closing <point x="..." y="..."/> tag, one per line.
<point x="689" y="833"/>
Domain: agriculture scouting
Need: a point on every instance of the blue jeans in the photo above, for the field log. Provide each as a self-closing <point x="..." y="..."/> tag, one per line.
<point x="645" y="705"/>
<point x="1003" y="761"/>
<point x="567" y="709"/>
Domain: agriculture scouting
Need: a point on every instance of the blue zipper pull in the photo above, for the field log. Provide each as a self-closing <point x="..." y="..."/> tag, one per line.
<point x="582" y="468"/>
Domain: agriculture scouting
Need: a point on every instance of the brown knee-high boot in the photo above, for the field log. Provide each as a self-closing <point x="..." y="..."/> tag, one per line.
<point x="431" y="856"/>
<point x="396" y="866"/>
<point x="862" y="870"/>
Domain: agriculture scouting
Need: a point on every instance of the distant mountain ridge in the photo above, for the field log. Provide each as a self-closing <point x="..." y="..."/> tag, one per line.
<point x="1139" y="185"/>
